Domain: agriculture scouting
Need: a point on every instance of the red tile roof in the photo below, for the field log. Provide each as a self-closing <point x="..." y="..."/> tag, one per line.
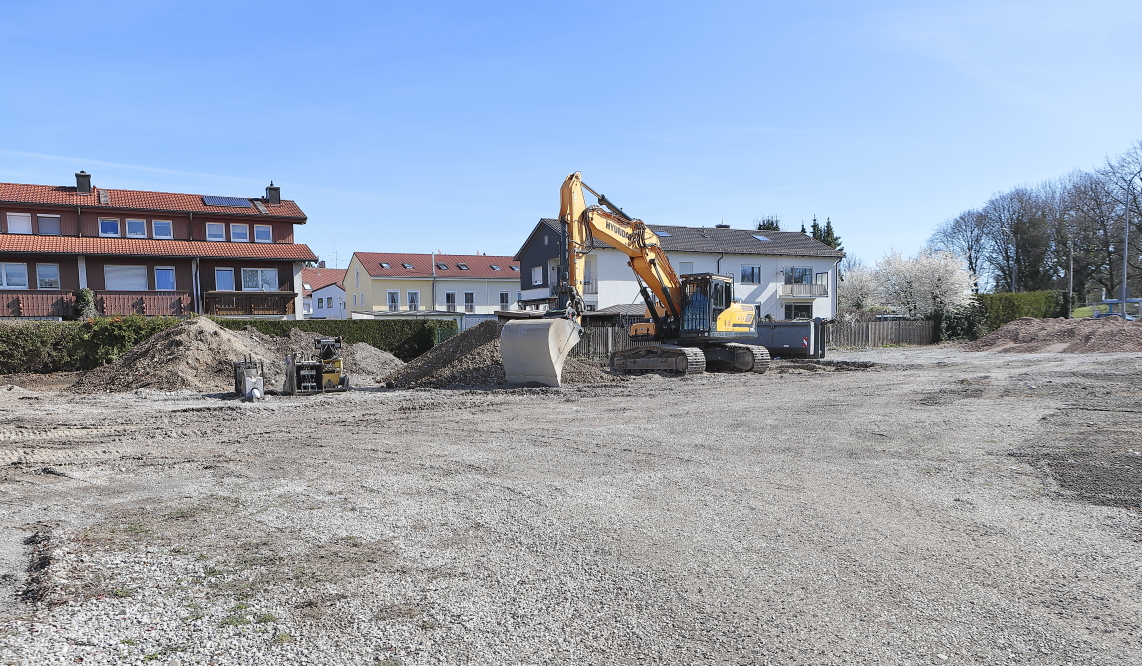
<point x="140" y="247"/>
<point x="139" y="200"/>
<point x="318" y="278"/>
<point x="479" y="265"/>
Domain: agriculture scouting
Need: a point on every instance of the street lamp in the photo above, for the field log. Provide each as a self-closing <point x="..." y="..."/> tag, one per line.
<point x="1126" y="242"/>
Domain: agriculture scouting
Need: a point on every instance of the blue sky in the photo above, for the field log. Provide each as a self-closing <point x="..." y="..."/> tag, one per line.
<point x="449" y="126"/>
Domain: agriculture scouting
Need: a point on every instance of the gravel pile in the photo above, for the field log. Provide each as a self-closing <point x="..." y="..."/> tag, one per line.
<point x="472" y="359"/>
<point x="198" y="355"/>
<point x="1072" y="336"/>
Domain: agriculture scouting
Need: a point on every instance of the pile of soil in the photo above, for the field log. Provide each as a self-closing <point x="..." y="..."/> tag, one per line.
<point x="472" y="359"/>
<point x="1072" y="336"/>
<point x="198" y="355"/>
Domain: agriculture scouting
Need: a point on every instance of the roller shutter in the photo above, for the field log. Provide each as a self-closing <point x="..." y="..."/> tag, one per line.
<point x="126" y="278"/>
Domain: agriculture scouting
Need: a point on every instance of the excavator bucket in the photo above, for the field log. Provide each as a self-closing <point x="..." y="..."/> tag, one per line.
<point x="533" y="350"/>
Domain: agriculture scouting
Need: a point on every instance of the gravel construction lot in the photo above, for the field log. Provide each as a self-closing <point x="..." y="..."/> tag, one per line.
<point x="916" y="506"/>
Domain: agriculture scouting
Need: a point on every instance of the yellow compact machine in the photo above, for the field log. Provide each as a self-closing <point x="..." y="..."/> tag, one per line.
<point x="323" y="372"/>
<point x="694" y="319"/>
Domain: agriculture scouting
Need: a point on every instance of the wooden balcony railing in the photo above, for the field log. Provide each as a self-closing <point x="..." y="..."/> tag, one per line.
<point x="172" y="303"/>
<point x="239" y="303"/>
<point x="38" y="303"/>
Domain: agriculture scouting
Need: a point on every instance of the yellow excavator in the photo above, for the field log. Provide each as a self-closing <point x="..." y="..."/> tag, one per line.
<point x="693" y="319"/>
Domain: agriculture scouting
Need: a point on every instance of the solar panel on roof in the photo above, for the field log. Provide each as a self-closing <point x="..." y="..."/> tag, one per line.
<point x="233" y="202"/>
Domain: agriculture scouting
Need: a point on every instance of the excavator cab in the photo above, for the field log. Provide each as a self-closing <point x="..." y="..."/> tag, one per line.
<point x="709" y="309"/>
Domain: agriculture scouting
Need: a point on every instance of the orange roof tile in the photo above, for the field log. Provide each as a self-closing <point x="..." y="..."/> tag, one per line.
<point x="139" y="200"/>
<point x="318" y="278"/>
<point x="141" y="247"/>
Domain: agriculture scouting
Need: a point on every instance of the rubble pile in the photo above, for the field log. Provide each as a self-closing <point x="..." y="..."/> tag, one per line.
<point x="1071" y="336"/>
<point x="198" y="355"/>
<point x="472" y="359"/>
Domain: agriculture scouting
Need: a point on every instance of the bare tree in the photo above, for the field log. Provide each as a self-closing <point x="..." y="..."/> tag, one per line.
<point x="965" y="236"/>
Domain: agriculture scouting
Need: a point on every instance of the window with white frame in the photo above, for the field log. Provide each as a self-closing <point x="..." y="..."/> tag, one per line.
<point x="263" y="233"/>
<point x="48" y="225"/>
<point x="394" y="300"/>
<point x="47" y="276"/>
<point x="536" y="275"/>
<point x="19" y="223"/>
<point x="357" y="277"/>
<point x="505" y="300"/>
<point x="215" y="231"/>
<point x="751" y="274"/>
<point x="821" y="278"/>
<point x="125" y="278"/>
<point x="136" y="228"/>
<point x="224" y="279"/>
<point x="164" y="278"/>
<point x="413" y="300"/>
<point x="108" y="226"/>
<point x="589" y="284"/>
<point x="162" y="229"/>
<point x="240" y="233"/>
<point x="450" y="301"/>
<point x="14" y="276"/>
<point x="469" y="301"/>
<point x="259" y="279"/>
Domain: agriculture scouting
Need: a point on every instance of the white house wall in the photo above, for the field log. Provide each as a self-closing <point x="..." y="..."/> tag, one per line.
<point x="329" y="291"/>
<point x="616" y="283"/>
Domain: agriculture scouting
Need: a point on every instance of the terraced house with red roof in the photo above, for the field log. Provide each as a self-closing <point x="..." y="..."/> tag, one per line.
<point x="382" y="284"/>
<point x="149" y="253"/>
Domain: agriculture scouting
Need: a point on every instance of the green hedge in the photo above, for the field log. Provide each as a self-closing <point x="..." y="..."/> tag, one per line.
<point x="1006" y="307"/>
<point x="61" y="346"/>
<point x="64" y="346"/>
<point x="404" y="338"/>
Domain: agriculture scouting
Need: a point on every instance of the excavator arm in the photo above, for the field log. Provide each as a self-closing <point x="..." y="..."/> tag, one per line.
<point x="607" y="223"/>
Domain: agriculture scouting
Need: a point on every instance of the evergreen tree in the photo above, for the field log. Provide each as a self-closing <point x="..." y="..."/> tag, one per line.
<point x="803" y="228"/>
<point x="769" y="223"/>
<point x="827" y="235"/>
<point x="816" y="229"/>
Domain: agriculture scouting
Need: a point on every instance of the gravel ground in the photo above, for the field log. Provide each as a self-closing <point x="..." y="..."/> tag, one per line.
<point x="902" y="506"/>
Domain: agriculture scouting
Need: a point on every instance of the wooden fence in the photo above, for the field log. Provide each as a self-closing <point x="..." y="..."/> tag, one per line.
<point x="879" y="333"/>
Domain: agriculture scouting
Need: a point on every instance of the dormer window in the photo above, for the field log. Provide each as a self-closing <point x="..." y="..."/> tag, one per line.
<point x="462" y="267"/>
<point x="407" y="266"/>
<point x="442" y="266"/>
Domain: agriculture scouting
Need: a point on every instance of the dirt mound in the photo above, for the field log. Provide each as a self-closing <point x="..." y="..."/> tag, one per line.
<point x="1072" y="336"/>
<point x="472" y="358"/>
<point x="198" y="355"/>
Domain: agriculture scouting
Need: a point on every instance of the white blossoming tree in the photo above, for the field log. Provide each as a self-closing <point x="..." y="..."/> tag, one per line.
<point x="917" y="286"/>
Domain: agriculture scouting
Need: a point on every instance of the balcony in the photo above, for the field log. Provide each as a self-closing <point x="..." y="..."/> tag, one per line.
<point x="249" y="303"/>
<point x="804" y="290"/>
<point x="38" y="303"/>
<point x="173" y="303"/>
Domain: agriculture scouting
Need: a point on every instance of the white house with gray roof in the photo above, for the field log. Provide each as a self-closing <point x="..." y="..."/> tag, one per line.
<point x="784" y="274"/>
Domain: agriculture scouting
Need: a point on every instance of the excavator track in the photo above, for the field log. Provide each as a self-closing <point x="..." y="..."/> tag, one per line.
<point x="685" y="361"/>
<point x="738" y="357"/>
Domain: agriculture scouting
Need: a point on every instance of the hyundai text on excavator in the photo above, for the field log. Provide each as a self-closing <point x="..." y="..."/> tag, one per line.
<point x="694" y="319"/>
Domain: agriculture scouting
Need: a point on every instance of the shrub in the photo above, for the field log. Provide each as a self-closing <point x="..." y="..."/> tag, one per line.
<point x="1006" y="307"/>
<point x="966" y="322"/>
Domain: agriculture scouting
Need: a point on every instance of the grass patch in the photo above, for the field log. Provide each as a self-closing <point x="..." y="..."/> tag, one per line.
<point x="123" y="592"/>
<point x="266" y="617"/>
<point x="283" y="638"/>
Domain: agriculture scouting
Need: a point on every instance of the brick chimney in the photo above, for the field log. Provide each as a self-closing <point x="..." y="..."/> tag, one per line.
<point x="83" y="183"/>
<point x="273" y="194"/>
